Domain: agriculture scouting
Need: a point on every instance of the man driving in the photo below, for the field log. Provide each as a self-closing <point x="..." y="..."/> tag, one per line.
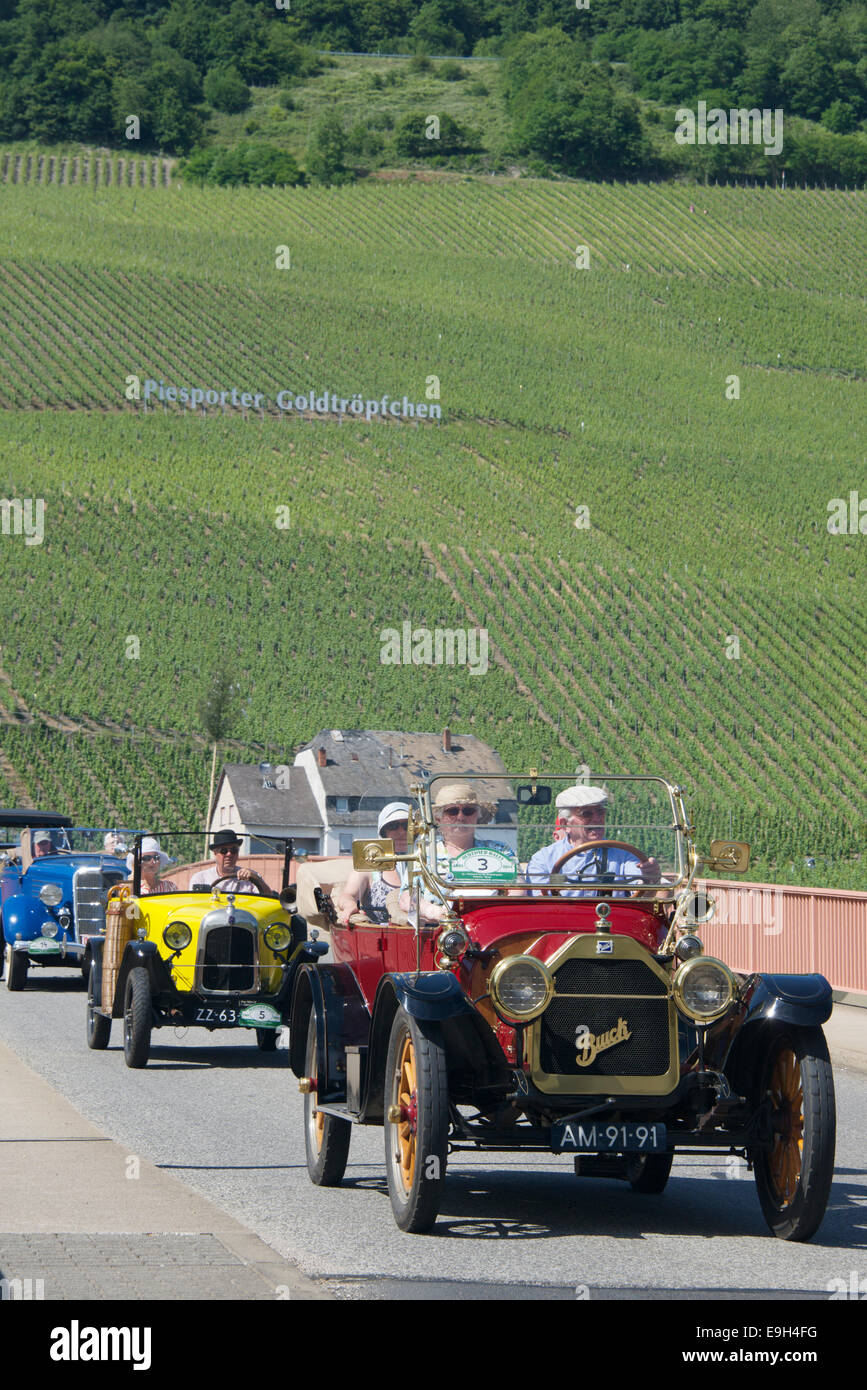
<point x="582" y="809"/>
<point x="42" y="844"/>
<point x="225" y="846"/>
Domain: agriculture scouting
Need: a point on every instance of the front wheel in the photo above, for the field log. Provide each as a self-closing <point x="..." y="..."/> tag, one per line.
<point x="137" y="1018"/>
<point x="98" y="1026"/>
<point x="326" y="1137"/>
<point x="794" y="1175"/>
<point x="416" y="1123"/>
<point x="16" y="969"/>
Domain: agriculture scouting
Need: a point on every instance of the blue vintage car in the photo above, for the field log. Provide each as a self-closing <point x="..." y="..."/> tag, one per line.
<point x="54" y="881"/>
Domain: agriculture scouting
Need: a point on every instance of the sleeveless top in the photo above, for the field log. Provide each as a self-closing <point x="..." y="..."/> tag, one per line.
<point x="373" y="901"/>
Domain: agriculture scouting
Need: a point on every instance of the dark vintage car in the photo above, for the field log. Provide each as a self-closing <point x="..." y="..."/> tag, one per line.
<point x="54" y="883"/>
<point x="209" y="958"/>
<point x="562" y="1002"/>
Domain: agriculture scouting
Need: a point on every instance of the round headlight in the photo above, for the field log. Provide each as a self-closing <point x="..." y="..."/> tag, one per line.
<point x="687" y="947"/>
<point x="51" y="894"/>
<point x="278" y="936"/>
<point x="177" y="936"/>
<point x="452" y="942"/>
<point x="521" y="987"/>
<point x="49" y="928"/>
<point x="703" y="988"/>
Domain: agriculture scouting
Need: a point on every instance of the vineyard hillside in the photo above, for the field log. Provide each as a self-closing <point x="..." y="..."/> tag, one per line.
<point x="650" y="397"/>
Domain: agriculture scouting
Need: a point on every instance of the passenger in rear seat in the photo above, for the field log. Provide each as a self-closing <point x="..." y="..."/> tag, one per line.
<point x="367" y="893"/>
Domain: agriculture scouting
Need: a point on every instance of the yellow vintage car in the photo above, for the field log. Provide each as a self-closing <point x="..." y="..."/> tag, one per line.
<point x="204" y="959"/>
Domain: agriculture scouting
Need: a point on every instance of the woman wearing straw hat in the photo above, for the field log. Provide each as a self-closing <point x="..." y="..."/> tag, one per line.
<point x="457" y="812"/>
<point x="368" y="892"/>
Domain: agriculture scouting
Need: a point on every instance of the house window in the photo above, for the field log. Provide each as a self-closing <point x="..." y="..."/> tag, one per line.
<point x="343" y="803"/>
<point x="346" y="843"/>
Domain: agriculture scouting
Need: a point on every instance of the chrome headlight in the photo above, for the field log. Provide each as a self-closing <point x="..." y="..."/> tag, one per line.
<point x="703" y="988"/>
<point x="688" y="946"/>
<point x="49" y="929"/>
<point x="51" y="894"/>
<point x="177" y="936"/>
<point x="453" y="941"/>
<point x="521" y="987"/>
<point x="278" y="936"/>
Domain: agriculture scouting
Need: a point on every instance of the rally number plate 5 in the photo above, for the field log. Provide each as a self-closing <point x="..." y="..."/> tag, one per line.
<point x="590" y="1136"/>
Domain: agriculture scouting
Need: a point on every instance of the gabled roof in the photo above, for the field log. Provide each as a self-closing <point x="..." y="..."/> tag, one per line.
<point x="385" y="762"/>
<point x="292" y="807"/>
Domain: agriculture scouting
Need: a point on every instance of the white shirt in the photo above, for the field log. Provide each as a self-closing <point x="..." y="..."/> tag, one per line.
<point x="205" y="877"/>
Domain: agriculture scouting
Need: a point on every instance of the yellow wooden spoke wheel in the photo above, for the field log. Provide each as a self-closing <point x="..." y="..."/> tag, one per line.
<point x="416" y="1109"/>
<point x="326" y="1137"/>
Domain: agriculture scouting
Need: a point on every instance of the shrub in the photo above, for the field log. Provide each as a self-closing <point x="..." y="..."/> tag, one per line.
<point x="451" y="71"/>
<point x="226" y="90"/>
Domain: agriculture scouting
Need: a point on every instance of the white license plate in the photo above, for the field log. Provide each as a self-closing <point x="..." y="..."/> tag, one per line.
<point x="227" y="1016"/>
<point x="43" y="945"/>
<point x="259" y="1016"/>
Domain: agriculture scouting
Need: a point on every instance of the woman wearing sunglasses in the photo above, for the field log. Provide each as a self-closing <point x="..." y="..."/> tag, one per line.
<point x="457" y="812"/>
<point x="152" y="860"/>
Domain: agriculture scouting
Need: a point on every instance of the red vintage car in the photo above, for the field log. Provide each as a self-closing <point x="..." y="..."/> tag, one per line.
<point x="540" y="984"/>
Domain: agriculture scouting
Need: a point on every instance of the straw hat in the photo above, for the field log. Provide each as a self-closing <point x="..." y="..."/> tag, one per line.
<point x="462" y="794"/>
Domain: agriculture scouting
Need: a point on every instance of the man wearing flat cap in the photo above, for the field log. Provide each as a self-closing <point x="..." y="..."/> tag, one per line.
<point x="582" y="810"/>
<point x="225" y="845"/>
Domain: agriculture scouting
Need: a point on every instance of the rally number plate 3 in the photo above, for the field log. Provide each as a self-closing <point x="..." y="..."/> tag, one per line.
<point x="589" y="1136"/>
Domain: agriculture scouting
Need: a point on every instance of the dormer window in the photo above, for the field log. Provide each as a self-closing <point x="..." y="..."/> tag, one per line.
<point x="342" y="803"/>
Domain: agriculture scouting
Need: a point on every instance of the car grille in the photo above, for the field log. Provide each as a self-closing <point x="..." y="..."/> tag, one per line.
<point x="597" y="995"/>
<point x="229" y="960"/>
<point x="89" y="888"/>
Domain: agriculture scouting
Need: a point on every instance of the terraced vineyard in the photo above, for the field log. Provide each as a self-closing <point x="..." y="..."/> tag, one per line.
<point x="702" y="623"/>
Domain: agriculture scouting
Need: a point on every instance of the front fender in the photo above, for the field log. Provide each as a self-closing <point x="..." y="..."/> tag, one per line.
<point x="23" y="916"/>
<point x="433" y="996"/>
<point x="800" y="999"/>
<point x="145" y="954"/>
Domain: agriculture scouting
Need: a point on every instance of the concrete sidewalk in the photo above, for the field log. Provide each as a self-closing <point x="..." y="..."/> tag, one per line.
<point x="92" y="1221"/>
<point x="846" y="1031"/>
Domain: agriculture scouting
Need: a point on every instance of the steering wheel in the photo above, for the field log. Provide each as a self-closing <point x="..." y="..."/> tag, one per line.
<point x="597" y="844"/>
<point x="228" y="878"/>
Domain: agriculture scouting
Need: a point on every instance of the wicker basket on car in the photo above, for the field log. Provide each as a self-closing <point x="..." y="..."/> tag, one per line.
<point x="120" y="924"/>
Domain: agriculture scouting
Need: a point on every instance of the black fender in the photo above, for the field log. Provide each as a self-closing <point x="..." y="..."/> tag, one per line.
<point x="804" y="1001"/>
<point x="332" y="993"/>
<point x="145" y="954"/>
<point x="476" y="1063"/>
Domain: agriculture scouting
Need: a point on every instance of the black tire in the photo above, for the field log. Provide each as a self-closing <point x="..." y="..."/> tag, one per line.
<point x="16" y="969"/>
<point x="794" y="1177"/>
<point x="326" y="1138"/>
<point x="648" y="1172"/>
<point x="137" y="1018"/>
<point x="98" y="1026"/>
<point x="266" y="1039"/>
<point x="85" y="967"/>
<point x="416" y="1146"/>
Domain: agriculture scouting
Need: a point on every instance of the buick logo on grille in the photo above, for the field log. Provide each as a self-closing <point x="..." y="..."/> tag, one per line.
<point x="589" y="1044"/>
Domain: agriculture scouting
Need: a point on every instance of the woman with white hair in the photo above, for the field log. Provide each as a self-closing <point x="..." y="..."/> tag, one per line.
<point x="152" y="860"/>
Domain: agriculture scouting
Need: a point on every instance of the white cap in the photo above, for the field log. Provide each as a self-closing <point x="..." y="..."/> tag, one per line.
<point x="581" y="796"/>
<point x="40" y="835"/>
<point x="395" y="810"/>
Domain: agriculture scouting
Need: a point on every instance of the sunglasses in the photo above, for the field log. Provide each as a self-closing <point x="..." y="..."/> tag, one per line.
<point x="146" y="857"/>
<point x="595" y="814"/>
<point x="227" y="849"/>
<point x="460" y="811"/>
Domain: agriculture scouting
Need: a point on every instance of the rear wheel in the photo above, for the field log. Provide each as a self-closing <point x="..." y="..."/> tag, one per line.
<point x="266" y="1039"/>
<point x="326" y="1138"/>
<point x="416" y="1123"/>
<point x="16" y="969"/>
<point x="793" y="1176"/>
<point x="98" y="1026"/>
<point x="648" y="1172"/>
<point x="137" y="1018"/>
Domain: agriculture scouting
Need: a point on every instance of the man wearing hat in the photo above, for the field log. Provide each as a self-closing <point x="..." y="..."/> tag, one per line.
<point x="582" y="810"/>
<point x="42" y="844"/>
<point x="226" y="845"/>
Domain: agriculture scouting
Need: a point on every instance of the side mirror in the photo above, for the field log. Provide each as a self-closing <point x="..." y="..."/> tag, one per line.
<point x="368" y="855"/>
<point x="728" y="857"/>
<point x="533" y="796"/>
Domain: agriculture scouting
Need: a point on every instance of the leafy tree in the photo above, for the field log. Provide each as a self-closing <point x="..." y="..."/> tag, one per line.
<point x="411" y="140"/>
<point x="326" y="151"/>
<point x="226" y="89"/>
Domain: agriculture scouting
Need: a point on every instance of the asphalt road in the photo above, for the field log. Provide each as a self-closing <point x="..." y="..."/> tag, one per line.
<point x="227" y="1121"/>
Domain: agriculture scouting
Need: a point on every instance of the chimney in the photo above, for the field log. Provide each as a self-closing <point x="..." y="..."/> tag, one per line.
<point x="447" y="740"/>
<point x="321" y="757"/>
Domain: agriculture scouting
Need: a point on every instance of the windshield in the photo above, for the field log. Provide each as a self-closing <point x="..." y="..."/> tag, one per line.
<point x="82" y="840"/>
<point x="606" y="831"/>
